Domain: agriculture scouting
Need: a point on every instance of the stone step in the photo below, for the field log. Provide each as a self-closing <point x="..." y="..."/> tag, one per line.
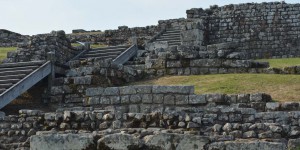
<point x="102" y="57"/>
<point x="13" y="81"/>
<point x="102" y="53"/>
<point x="7" y="77"/>
<point x="20" y="64"/>
<point x="171" y="34"/>
<point x="106" y="50"/>
<point x="111" y="47"/>
<point x="15" y="72"/>
<point x="168" y="38"/>
<point x="173" y="31"/>
<point x="174" y="41"/>
<point x="19" y="68"/>
<point x="5" y="86"/>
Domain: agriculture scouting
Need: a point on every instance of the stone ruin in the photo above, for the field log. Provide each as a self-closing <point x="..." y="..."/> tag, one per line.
<point x="92" y="107"/>
<point x="9" y="39"/>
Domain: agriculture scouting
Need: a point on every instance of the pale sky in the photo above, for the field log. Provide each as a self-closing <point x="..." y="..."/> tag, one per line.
<point x="42" y="16"/>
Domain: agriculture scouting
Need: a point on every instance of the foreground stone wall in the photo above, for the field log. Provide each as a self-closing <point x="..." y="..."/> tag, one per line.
<point x="264" y="30"/>
<point x="210" y="121"/>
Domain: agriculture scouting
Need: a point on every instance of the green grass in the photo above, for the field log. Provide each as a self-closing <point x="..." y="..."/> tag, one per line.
<point x="280" y="87"/>
<point x="92" y="46"/>
<point x="4" y="50"/>
<point x="282" y="62"/>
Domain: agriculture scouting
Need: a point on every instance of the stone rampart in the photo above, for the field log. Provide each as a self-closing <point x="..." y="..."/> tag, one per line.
<point x="263" y="30"/>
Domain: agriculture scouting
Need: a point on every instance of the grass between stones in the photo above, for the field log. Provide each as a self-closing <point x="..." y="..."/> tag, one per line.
<point x="4" y="50"/>
<point x="280" y="87"/>
<point x="282" y="62"/>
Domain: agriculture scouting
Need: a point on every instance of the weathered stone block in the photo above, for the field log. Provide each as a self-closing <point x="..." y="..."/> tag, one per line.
<point x="134" y="99"/>
<point x="164" y="141"/>
<point x="169" y="99"/>
<point x="173" y="89"/>
<point x="182" y="99"/>
<point x="125" y="99"/>
<point x="126" y="90"/>
<point x="197" y="99"/>
<point x="86" y="80"/>
<point x="147" y="98"/>
<point x="94" y="91"/>
<point x="66" y="141"/>
<point x="111" y="91"/>
<point x="158" y="98"/>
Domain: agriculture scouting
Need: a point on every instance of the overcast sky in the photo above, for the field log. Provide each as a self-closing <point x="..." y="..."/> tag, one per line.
<point x="42" y="16"/>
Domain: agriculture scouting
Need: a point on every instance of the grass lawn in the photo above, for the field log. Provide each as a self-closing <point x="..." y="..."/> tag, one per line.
<point x="282" y="62"/>
<point x="92" y="46"/>
<point x="4" y="50"/>
<point x="280" y="87"/>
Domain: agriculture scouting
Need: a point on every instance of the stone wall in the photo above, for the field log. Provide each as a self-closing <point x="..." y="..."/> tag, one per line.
<point x="38" y="46"/>
<point x="264" y="30"/>
<point x="195" y="60"/>
<point x="11" y="39"/>
<point x="122" y="35"/>
<point x="218" y="121"/>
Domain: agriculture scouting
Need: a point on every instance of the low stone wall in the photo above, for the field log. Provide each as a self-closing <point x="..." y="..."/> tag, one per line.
<point x="11" y="39"/>
<point x="216" y="120"/>
<point x="39" y="45"/>
<point x="122" y="35"/>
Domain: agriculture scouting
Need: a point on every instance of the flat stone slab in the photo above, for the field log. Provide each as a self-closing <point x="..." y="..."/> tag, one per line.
<point x="61" y="141"/>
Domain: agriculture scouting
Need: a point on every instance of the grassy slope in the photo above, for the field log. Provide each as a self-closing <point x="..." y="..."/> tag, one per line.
<point x="4" y="50"/>
<point x="281" y="87"/>
<point x="280" y="63"/>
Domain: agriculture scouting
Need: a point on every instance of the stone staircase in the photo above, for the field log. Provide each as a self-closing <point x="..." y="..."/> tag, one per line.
<point x="16" y="78"/>
<point x="104" y="53"/>
<point x="172" y="36"/>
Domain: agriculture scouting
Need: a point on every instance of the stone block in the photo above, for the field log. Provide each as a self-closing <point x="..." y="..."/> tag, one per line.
<point x="104" y="100"/>
<point x="126" y="90"/>
<point x="174" y="64"/>
<point x="169" y="99"/>
<point x="115" y="100"/>
<point x="143" y="89"/>
<point x="184" y="141"/>
<point x="173" y="89"/>
<point x="94" y="91"/>
<point x="272" y="106"/>
<point x="260" y="97"/>
<point x="114" y="91"/>
<point x="125" y="99"/>
<point x="86" y="80"/>
<point x="158" y="98"/>
<point x="92" y="101"/>
<point x="156" y="45"/>
<point x="66" y="141"/>
<point x="197" y="99"/>
<point x="118" y="141"/>
<point x="215" y="98"/>
<point x="134" y="109"/>
<point x="243" y="98"/>
<point x="147" y="98"/>
<point x="182" y="99"/>
<point x="134" y="99"/>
